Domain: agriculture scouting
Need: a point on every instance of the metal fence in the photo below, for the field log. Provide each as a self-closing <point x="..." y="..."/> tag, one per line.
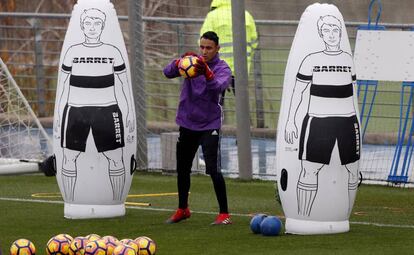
<point x="30" y="45"/>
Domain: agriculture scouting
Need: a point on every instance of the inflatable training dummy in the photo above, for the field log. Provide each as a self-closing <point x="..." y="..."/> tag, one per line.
<point x="94" y="120"/>
<point x="318" y="137"/>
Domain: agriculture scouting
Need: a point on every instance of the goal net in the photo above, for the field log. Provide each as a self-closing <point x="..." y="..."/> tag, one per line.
<point x="23" y="140"/>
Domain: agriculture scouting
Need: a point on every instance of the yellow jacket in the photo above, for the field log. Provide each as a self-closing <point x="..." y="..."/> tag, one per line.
<point x="219" y="20"/>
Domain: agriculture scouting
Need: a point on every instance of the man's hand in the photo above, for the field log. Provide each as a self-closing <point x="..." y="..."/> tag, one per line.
<point x="202" y="68"/>
<point x="130" y="123"/>
<point x="56" y="132"/>
<point x="291" y="132"/>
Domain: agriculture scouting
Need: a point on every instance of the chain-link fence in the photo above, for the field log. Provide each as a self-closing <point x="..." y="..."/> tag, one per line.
<point x="31" y="44"/>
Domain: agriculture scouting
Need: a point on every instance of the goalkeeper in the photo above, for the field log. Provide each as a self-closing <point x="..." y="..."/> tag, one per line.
<point x="199" y="117"/>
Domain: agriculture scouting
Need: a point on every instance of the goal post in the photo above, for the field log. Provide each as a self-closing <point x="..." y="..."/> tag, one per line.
<point x="23" y="141"/>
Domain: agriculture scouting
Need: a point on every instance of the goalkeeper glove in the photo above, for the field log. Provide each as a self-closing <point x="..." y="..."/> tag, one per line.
<point x="202" y="68"/>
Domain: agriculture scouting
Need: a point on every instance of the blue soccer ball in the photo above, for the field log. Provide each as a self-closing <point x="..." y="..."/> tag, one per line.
<point x="271" y="226"/>
<point x="256" y="221"/>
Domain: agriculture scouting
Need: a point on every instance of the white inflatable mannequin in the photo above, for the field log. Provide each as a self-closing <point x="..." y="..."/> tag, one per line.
<point x="318" y="139"/>
<point x="94" y="121"/>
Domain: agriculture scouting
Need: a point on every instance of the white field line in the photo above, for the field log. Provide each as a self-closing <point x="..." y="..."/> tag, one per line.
<point x="199" y="212"/>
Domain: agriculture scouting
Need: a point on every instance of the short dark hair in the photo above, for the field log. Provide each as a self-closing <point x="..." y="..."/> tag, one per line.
<point x="210" y="35"/>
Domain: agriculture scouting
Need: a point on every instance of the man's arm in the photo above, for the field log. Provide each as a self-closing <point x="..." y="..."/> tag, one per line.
<point x="291" y="130"/>
<point x="123" y="78"/>
<point x="65" y="72"/>
<point x="171" y="70"/>
<point x="219" y="79"/>
<point x="63" y="96"/>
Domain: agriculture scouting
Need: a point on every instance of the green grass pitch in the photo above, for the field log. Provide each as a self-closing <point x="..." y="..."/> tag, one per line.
<point x="382" y="221"/>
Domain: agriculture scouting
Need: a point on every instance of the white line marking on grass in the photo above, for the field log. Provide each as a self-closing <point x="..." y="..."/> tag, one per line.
<point x="381" y="225"/>
<point x="197" y="212"/>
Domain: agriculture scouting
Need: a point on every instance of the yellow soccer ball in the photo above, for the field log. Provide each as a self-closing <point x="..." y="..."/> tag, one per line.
<point x="97" y="247"/>
<point x="147" y="246"/>
<point x="58" y="244"/>
<point x="93" y="237"/>
<point x="22" y="247"/>
<point x="131" y="243"/>
<point x="77" y="246"/>
<point x="111" y="242"/>
<point x="186" y="66"/>
<point x="123" y="249"/>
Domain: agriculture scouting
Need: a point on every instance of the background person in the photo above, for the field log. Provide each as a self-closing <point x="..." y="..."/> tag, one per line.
<point x="219" y="20"/>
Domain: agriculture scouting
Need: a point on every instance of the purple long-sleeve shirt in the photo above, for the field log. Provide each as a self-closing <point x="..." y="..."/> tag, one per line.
<point x="199" y="108"/>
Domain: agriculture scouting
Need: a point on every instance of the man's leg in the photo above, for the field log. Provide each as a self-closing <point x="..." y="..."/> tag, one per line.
<point x="187" y="146"/>
<point x="307" y="186"/>
<point x="352" y="169"/>
<point x="116" y="172"/>
<point x="220" y="190"/>
<point x="211" y="150"/>
<point x="212" y="155"/>
<point x="69" y="173"/>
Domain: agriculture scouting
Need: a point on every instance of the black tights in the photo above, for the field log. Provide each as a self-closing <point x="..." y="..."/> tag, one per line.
<point x="187" y="146"/>
<point x="184" y="182"/>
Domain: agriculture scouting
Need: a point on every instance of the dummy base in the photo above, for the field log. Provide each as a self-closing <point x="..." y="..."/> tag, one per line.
<point x="83" y="211"/>
<point x="306" y="227"/>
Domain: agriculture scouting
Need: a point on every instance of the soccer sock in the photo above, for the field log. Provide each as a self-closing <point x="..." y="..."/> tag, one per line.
<point x="352" y="187"/>
<point x="306" y="193"/>
<point x="183" y="184"/>
<point x="220" y="189"/>
<point x="117" y="178"/>
<point x="69" y="181"/>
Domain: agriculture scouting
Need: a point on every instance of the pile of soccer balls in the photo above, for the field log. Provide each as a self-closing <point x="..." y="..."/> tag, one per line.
<point x="93" y="244"/>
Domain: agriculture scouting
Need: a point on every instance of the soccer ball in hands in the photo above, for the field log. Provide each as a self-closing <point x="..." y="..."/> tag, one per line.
<point x="123" y="249"/>
<point x="77" y="246"/>
<point x="186" y="66"/>
<point x="96" y="247"/>
<point x="22" y="247"/>
<point x="146" y="245"/>
<point x="58" y="244"/>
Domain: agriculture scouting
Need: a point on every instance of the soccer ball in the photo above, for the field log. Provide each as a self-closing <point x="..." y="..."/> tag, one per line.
<point x="132" y="243"/>
<point x="186" y="66"/>
<point x="93" y="237"/>
<point x="111" y="242"/>
<point x="22" y="247"/>
<point x="123" y="249"/>
<point x="146" y="245"/>
<point x="69" y="237"/>
<point x="77" y="246"/>
<point x="58" y="245"/>
<point x="256" y="221"/>
<point x="271" y="226"/>
<point x="97" y="247"/>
